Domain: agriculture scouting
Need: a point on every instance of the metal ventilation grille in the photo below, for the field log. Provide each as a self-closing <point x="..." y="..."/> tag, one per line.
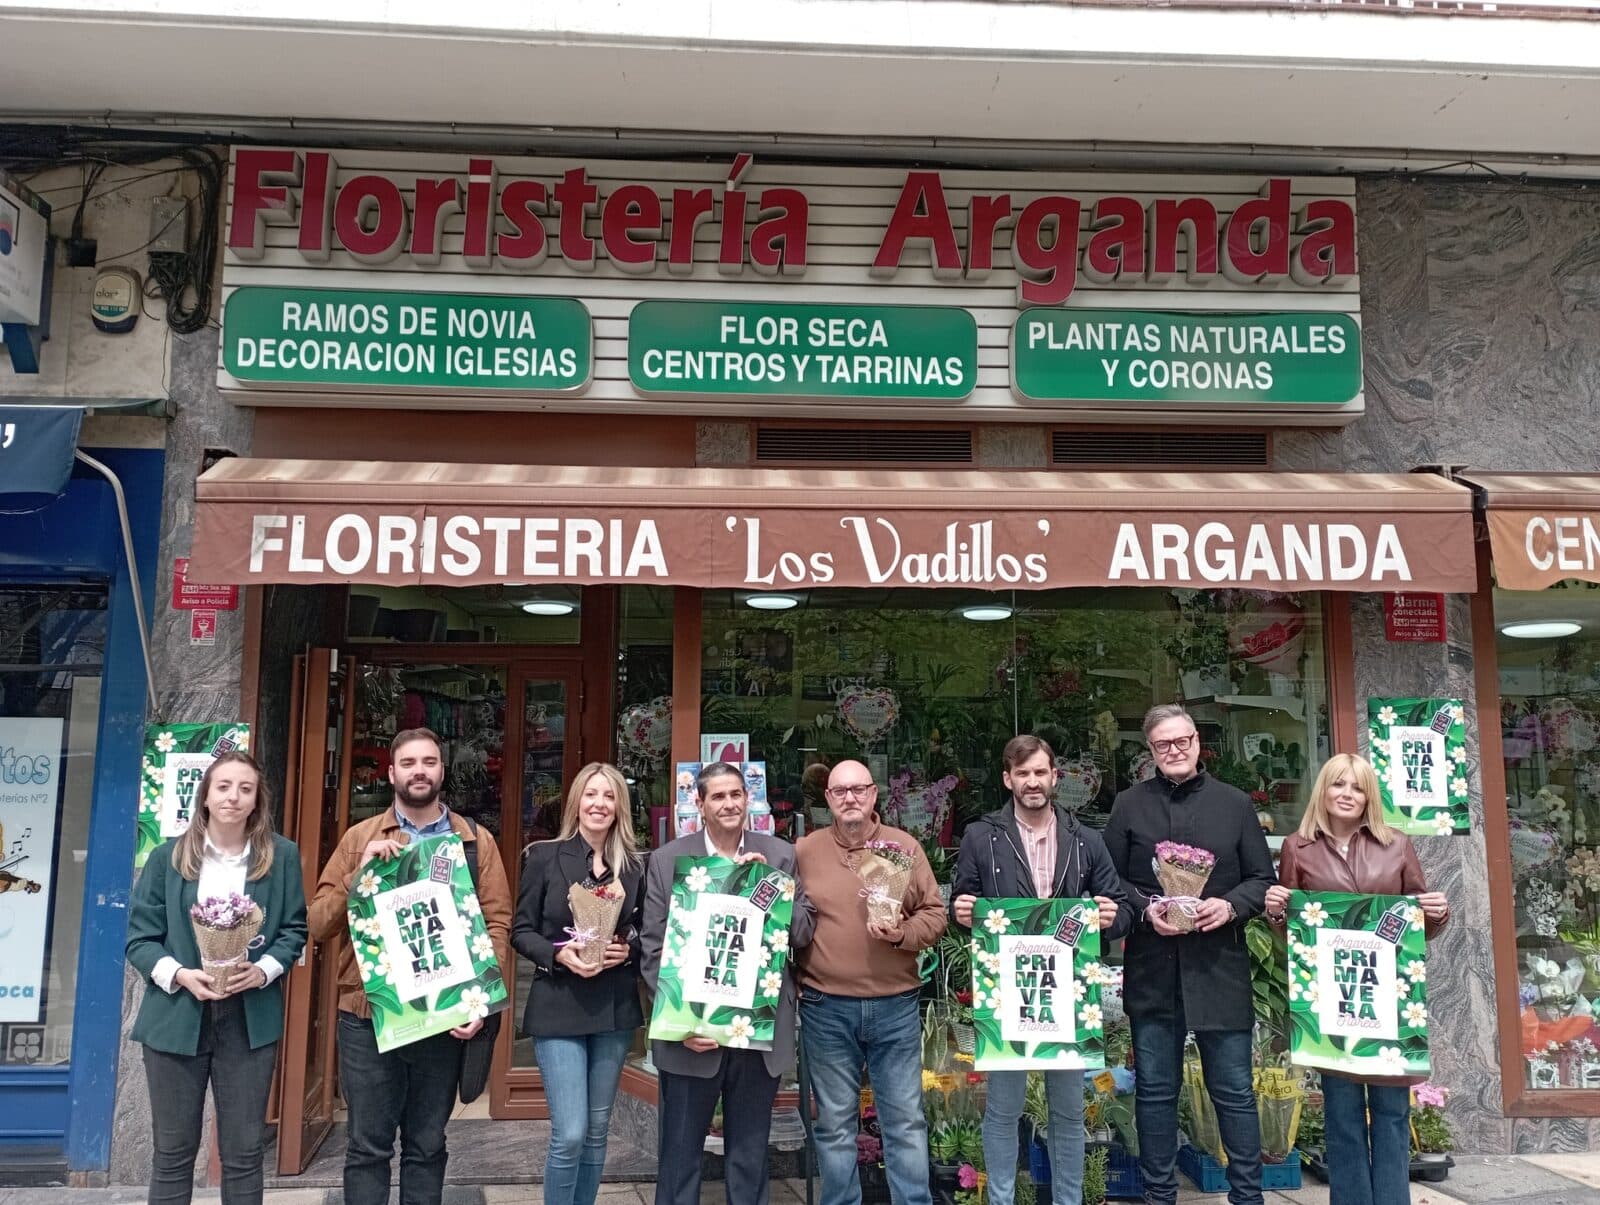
<point x="864" y="444"/>
<point x="1181" y="449"/>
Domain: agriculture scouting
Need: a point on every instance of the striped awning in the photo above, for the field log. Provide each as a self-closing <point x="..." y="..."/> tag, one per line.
<point x="459" y="524"/>
<point x="1543" y="527"/>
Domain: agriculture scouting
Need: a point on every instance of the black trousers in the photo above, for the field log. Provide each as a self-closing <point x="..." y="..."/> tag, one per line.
<point x="241" y="1081"/>
<point x="412" y="1090"/>
<point x="686" y="1109"/>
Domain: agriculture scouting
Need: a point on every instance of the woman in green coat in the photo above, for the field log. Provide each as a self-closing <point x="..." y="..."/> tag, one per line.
<point x="194" y="1029"/>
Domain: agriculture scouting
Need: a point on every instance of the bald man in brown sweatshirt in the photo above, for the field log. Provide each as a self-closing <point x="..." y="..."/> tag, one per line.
<point x="858" y="994"/>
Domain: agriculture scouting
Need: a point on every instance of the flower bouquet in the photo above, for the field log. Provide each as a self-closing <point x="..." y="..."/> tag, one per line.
<point x="1182" y="871"/>
<point x="225" y="927"/>
<point x="596" y="909"/>
<point x="885" y="870"/>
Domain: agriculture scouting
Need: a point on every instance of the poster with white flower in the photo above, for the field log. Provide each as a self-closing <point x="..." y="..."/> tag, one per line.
<point x="1036" y="977"/>
<point x="1358" y="983"/>
<point x="724" y="953"/>
<point x="426" y="960"/>
<point x="176" y="757"/>
<point x="1418" y="747"/>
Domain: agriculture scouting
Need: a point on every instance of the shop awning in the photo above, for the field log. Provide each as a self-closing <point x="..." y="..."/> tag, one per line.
<point x="1543" y="527"/>
<point x="773" y="529"/>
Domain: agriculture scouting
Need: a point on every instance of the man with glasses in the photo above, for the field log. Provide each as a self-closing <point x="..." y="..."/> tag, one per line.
<point x="1176" y="981"/>
<point x="858" y="993"/>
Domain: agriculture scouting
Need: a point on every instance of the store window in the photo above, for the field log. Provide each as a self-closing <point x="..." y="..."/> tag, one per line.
<point x="644" y="704"/>
<point x="926" y="687"/>
<point x="52" y="643"/>
<point x="1548" y="647"/>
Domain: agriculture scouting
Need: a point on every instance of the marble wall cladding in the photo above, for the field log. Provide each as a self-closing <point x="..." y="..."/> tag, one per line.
<point x="1013" y="447"/>
<point x="723" y="443"/>
<point x="1479" y="307"/>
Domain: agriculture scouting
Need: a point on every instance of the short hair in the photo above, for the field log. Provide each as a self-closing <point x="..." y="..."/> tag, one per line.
<point x="1020" y="748"/>
<point x="407" y="735"/>
<point x="716" y="769"/>
<point x="1161" y="713"/>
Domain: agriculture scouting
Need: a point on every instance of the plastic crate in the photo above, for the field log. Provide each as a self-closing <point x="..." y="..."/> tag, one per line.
<point x="1123" y="1178"/>
<point x="1210" y="1176"/>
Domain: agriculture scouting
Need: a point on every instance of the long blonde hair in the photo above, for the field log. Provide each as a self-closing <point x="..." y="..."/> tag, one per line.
<point x="622" y="849"/>
<point x="1360" y="771"/>
<point x="189" y="850"/>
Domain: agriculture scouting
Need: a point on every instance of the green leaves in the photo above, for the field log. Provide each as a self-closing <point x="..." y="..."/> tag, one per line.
<point x="1026" y="985"/>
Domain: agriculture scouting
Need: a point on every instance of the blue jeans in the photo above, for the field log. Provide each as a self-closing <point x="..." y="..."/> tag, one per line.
<point x="1225" y="1059"/>
<point x="580" y="1085"/>
<point x="841" y="1035"/>
<point x="1064" y="1090"/>
<point x="1369" y="1162"/>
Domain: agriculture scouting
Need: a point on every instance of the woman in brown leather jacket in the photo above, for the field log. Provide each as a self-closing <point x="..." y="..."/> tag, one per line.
<point x="1344" y="845"/>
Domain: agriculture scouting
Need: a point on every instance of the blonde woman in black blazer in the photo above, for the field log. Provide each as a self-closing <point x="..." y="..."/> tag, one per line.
<point x="581" y="1019"/>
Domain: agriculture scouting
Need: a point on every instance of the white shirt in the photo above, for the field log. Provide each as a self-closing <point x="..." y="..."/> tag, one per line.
<point x="220" y="875"/>
<point x="713" y="852"/>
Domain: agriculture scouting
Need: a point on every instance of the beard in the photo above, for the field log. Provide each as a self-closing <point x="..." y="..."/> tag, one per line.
<point x="418" y="794"/>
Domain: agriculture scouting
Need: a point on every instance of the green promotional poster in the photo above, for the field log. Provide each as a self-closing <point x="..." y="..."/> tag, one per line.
<point x="1419" y="749"/>
<point x="722" y="959"/>
<point x="1036" y="977"/>
<point x="175" y="759"/>
<point x="426" y="960"/>
<point x="1358" y="983"/>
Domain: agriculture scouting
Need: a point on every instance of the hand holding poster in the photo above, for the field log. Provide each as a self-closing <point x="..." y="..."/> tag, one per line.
<point x="176" y="757"/>
<point x="723" y="955"/>
<point x="1358" y="988"/>
<point x="426" y="959"/>
<point x="1419" y="750"/>
<point x="1036" y="978"/>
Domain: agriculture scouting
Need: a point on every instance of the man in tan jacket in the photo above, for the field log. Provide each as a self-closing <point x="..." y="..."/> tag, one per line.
<point x="412" y="1089"/>
<point x="858" y="993"/>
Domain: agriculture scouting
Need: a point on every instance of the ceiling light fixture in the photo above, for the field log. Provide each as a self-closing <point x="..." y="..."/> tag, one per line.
<point x="1541" y="629"/>
<point x="986" y="613"/>
<point x="772" y="602"/>
<point x="549" y="607"/>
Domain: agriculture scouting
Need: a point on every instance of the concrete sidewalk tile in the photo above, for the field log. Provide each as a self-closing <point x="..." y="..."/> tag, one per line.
<point x="293" y="1196"/>
<point x="1585" y="1169"/>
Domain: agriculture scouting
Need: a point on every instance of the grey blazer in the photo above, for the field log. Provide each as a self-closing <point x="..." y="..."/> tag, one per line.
<point x="675" y="1056"/>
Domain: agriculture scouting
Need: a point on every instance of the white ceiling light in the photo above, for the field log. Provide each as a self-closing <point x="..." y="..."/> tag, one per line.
<point x="772" y="602"/>
<point x="548" y="606"/>
<point x="986" y="612"/>
<point x="1541" y="629"/>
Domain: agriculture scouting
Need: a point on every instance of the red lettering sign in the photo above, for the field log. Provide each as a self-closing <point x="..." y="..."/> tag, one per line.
<point x="1414" y="618"/>
<point x="187" y="596"/>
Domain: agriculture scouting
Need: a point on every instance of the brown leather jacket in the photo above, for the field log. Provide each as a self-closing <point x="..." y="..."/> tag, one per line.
<point x="328" y="914"/>
<point x="1370" y="868"/>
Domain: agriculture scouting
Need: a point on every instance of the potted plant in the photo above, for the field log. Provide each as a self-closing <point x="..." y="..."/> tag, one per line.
<point x="1094" y="1175"/>
<point x="944" y="1157"/>
<point x="1431" y="1140"/>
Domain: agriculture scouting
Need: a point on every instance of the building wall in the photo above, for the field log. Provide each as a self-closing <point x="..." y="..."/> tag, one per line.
<point x="1478" y="308"/>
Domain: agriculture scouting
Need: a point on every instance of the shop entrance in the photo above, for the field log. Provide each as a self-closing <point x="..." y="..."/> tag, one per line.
<point x="509" y="721"/>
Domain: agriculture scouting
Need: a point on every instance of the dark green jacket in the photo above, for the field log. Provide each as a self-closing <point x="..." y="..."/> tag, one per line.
<point x="159" y="925"/>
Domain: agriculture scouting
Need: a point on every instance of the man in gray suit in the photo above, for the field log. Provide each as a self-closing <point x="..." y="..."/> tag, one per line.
<point x="696" y="1071"/>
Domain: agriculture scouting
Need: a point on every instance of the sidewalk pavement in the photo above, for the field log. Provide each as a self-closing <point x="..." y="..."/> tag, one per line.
<point x="1513" y="1180"/>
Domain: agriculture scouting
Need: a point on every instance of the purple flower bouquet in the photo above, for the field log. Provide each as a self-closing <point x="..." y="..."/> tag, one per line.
<point x="225" y="927"/>
<point x="1182" y="871"/>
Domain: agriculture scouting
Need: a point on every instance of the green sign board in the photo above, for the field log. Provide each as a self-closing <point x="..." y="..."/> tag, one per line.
<point x="813" y="351"/>
<point x="364" y="338"/>
<point x="1146" y="356"/>
<point x="176" y="757"/>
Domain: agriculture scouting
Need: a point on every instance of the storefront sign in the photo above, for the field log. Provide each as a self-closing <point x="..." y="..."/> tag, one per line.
<point x="1147" y="356"/>
<point x="1414" y="618"/>
<point x="449" y="341"/>
<point x="1036" y="977"/>
<point x="1533" y="550"/>
<point x="1418" y="747"/>
<point x="30" y="783"/>
<point x="191" y="596"/>
<point x="679" y="261"/>
<point x="426" y="959"/>
<point x="37" y="446"/>
<point x="724" y="953"/>
<point x="1358" y="984"/>
<point x="176" y="757"/>
<point x="865" y="351"/>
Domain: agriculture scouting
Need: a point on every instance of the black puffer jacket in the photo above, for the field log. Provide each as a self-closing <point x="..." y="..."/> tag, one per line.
<point x="992" y="865"/>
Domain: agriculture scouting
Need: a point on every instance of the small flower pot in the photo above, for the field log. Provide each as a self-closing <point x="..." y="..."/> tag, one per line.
<point x="944" y="1180"/>
<point x="1431" y="1167"/>
<point x="874" y="1183"/>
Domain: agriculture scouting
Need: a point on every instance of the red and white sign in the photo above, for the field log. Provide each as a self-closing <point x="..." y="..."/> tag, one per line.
<point x="192" y="596"/>
<point x="202" y="627"/>
<point x="1414" y="618"/>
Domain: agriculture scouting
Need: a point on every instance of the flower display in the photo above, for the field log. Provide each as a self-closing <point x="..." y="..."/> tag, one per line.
<point x="967" y="1177"/>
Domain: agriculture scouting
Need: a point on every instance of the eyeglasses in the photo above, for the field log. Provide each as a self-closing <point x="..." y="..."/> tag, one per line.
<point x="1178" y="744"/>
<point x="858" y="790"/>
